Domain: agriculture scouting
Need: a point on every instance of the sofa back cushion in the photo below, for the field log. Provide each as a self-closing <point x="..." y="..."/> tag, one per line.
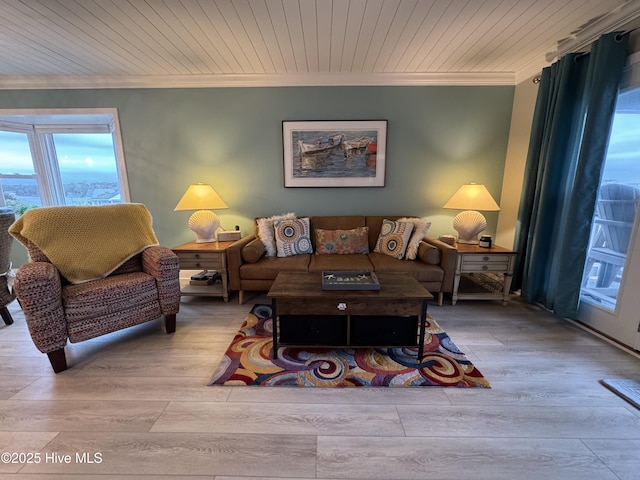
<point x="265" y="231"/>
<point x="292" y="237"/>
<point x="374" y="222"/>
<point x="335" y="222"/>
<point x="342" y="242"/>
<point x="394" y="238"/>
<point x="420" y="229"/>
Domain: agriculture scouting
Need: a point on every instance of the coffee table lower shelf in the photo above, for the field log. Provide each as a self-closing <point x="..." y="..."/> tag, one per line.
<point x="349" y="330"/>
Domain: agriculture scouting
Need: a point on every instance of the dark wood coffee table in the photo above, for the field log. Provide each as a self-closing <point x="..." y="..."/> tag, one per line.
<point x="305" y="314"/>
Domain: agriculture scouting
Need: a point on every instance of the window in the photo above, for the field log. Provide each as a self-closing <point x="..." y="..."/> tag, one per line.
<point x="619" y="195"/>
<point x="61" y="158"/>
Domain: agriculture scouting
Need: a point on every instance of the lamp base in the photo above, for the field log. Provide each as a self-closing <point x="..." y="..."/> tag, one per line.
<point x="204" y="224"/>
<point x="469" y="224"/>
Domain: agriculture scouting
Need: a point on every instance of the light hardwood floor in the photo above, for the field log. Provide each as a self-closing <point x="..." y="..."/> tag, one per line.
<point x="137" y="405"/>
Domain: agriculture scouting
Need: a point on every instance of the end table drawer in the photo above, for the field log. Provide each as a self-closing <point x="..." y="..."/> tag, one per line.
<point x="485" y="267"/>
<point x="209" y="260"/>
<point x="488" y="258"/>
<point x="485" y="263"/>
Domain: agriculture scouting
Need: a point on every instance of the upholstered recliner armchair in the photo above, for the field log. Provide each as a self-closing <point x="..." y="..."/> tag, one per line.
<point x="93" y="271"/>
<point x="7" y="217"/>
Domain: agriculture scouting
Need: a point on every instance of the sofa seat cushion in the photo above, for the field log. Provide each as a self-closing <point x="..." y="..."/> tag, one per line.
<point x="102" y="306"/>
<point x="420" y="270"/>
<point x="323" y="263"/>
<point x="267" y="268"/>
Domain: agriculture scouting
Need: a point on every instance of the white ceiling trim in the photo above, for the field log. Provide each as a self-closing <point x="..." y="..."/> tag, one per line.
<point x="258" y="80"/>
<point x="85" y="44"/>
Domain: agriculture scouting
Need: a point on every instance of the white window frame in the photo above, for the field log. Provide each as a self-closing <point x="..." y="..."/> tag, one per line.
<point x="39" y="125"/>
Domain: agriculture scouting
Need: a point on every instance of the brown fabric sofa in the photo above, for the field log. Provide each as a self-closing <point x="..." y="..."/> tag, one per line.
<point x="251" y="270"/>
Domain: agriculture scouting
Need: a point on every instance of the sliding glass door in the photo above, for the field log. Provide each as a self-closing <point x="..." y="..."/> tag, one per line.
<point x="609" y="300"/>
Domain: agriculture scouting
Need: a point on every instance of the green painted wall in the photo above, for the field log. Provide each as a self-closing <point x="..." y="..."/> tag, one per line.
<point x="438" y="138"/>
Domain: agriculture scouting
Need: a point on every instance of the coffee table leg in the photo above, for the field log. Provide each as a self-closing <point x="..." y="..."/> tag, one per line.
<point x="423" y="327"/>
<point x="274" y="326"/>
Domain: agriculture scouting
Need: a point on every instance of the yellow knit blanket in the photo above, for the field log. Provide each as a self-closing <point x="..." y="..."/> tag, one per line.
<point x="87" y="243"/>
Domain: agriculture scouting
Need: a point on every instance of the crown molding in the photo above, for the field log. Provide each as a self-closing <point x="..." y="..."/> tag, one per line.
<point x="259" y="80"/>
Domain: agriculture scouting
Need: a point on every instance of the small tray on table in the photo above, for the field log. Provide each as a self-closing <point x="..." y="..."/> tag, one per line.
<point x="350" y="280"/>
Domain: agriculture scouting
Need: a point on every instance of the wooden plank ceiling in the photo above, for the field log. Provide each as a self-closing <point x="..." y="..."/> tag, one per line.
<point x="157" y="43"/>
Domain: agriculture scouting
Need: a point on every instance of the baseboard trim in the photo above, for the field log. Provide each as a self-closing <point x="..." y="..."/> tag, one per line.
<point x="606" y="338"/>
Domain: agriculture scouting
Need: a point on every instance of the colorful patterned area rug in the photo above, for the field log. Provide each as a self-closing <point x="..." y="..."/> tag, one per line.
<point x="248" y="361"/>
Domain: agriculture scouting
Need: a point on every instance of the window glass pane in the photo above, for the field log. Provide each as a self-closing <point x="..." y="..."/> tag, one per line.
<point x="15" y="155"/>
<point x="616" y="208"/>
<point x="21" y="194"/>
<point x="18" y="183"/>
<point x="88" y="168"/>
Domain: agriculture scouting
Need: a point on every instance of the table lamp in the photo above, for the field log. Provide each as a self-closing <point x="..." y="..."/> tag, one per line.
<point x="203" y="198"/>
<point x="469" y="223"/>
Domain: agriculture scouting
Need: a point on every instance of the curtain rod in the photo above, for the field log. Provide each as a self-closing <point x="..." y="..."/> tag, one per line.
<point x="537" y="78"/>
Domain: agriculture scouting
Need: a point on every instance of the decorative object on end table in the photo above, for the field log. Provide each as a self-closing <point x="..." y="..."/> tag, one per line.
<point x="316" y="153"/>
<point x="469" y="223"/>
<point x="485" y="241"/>
<point x="206" y="277"/>
<point x="350" y="280"/>
<point x="204" y="223"/>
<point x="448" y="239"/>
<point x="229" y="236"/>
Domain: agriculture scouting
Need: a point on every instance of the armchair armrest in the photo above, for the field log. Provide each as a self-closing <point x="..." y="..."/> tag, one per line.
<point x="39" y="290"/>
<point x="162" y="264"/>
<point x="448" y="262"/>
<point x="234" y="260"/>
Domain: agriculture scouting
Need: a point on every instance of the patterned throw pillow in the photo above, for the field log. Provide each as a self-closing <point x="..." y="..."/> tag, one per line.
<point x="265" y="232"/>
<point x="292" y="237"/>
<point x="394" y="238"/>
<point x="422" y="226"/>
<point x="342" y="242"/>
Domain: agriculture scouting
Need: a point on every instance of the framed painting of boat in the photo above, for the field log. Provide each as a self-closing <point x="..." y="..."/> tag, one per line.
<point x="334" y="153"/>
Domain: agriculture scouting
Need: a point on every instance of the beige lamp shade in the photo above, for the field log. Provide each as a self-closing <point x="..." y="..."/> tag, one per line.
<point x="469" y="223"/>
<point x="203" y="198"/>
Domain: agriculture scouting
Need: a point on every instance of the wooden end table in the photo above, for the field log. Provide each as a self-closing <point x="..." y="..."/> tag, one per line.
<point x="482" y="273"/>
<point x="305" y="314"/>
<point x="204" y="256"/>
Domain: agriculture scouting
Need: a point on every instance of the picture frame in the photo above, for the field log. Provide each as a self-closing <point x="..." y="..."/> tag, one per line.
<point x="334" y="153"/>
